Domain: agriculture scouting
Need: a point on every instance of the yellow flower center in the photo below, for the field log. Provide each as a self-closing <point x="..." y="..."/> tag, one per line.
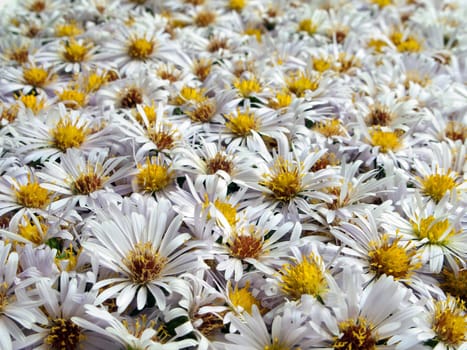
<point x="163" y="139"/>
<point x="67" y="134"/>
<point x="150" y="112"/>
<point x="4" y="297"/>
<point x="304" y="277"/>
<point x="379" y="115"/>
<point x="153" y="177"/>
<point x="245" y="246"/>
<point x="409" y="44"/>
<point x="140" y="48"/>
<point x="202" y="112"/>
<point x="455" y="283"/>
<point x="201" y="68"/>
<point x="456" y="131"/>
<point x="329" y="127"/>
<point x="68" y="29"/>
<point x="237" y="5"/>
<point x="382" y="3"/>
<point x="355" y="335"/>
<point x="281" y="100"/>
<point x="205" y="18"/>
<point x="385" y="140"/>
<point x="32" y="102"/>
<point x="299" y="83"/>
<point x="35" y="76"/>
<point x="308" y="26"/>
<point x="94" y="82"/>
<point x="252" y="31"/>
<point x="247" y="87"/>
<point x="436" y="186"/>
<point x="74" y="51"/>
<point x="450" y="322"/>
<point x="144" y="263"/>
<point x="9" y="113"/>
<point x="228" y="210"/>
<point x="19" y="54"/>
<point x="285" y="180"/>
<point x="219" y="162"/>
<point x="190" y="94"/>
<point x="87" y="183"/>
<point x="242" y="297"/>
<point x="241" y="123"/>
<point x="436" y="231"/>
<point x="32" y="195"/>
<point x="64" y="335"/>
<point x="72" y="98"/>
<point x="33" y="232"/>
<point x="392" y="259"/>
<point x="131" y="97"/>
<point x="321" y="64"/>
<point x="377" y="44"/>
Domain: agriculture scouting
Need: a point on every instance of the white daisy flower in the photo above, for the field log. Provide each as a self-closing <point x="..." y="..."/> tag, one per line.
<point x="442" y="325"/>
<point x="69" y="55"/>
<point x="203" y="305"/>
<point x="257" y="242"/>
<point x="26" y="78"/>
<point x="59" y="331"/>
<point x="146" y="249"/>
<point x="285" y="179"/>
<point x="16" y="305"/>
<point x="127" y="93"/>
<point x="21" y="192"/>
<point x="133" y="48"/>
<point x="358" y="319"/>
<point x="77" y="176"/>
<point x="287" y="331"/>
<point x="158" y="135"/>
<point x="445" y="175"/>
<point x="142" y="332"/>
<point x="50" y="134"/>
<point x="381" y="253"/>
<point x="436" y="230"/>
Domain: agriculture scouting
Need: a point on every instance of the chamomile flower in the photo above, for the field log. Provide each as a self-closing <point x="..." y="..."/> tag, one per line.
<point x="145" y="250"/>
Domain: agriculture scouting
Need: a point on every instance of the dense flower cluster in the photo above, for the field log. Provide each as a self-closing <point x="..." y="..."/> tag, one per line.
<point x="233" y="174"/>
